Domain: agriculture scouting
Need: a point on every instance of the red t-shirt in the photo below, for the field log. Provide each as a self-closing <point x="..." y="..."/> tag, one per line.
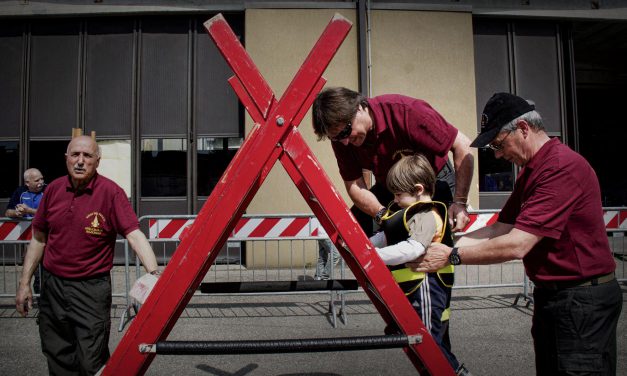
<point x="557" y="196"/>
<point x="400" y="123"/>
<point x="82" y="228"/>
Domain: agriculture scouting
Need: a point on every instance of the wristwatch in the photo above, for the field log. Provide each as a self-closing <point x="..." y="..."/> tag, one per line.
<point x="454" y="258"/>
<point x="379" y="216"/>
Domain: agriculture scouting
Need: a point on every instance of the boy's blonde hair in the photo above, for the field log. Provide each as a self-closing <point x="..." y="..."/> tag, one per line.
<point x="409" y="171"/>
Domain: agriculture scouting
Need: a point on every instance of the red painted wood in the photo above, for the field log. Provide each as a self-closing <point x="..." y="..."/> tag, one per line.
<point x="273" y="138"/>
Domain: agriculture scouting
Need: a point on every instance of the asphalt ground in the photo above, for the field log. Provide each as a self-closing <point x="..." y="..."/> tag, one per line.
<point x="489" y="334"/>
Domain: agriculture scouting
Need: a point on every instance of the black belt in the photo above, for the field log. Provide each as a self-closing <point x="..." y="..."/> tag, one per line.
<point x="561" y="285"/>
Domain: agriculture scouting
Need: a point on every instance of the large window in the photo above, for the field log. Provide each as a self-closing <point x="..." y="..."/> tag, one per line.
<point x="9" y="168"/>
<point x="151" y="87"/>
<point x="520" y="57"/>
<point x="164" y="167"/>
<point x="214" y="155"/>
<point x="49" y="158"/>
<point x="497" y="175"/>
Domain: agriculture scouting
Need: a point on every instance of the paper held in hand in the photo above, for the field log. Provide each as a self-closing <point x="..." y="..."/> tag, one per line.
<point x="142" y="288"/>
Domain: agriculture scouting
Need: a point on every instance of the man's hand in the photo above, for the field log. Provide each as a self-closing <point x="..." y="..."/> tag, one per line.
<point x="23" y="209"/>
<point x="435" y="259"/>
<point x="143" y="286"/>
<point x="24" y="299"/>
<point x="458" y="217"/>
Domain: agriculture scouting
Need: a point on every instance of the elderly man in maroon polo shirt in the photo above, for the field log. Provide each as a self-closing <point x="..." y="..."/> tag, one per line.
<point x="553" y="221"/>
<point x="75" y="227"/>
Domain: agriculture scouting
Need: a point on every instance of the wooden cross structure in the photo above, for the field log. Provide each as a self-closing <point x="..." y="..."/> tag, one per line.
<point x="275" y="137"/>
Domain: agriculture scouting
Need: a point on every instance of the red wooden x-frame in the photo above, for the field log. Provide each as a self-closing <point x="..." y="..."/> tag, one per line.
<point x="275" y="137"/>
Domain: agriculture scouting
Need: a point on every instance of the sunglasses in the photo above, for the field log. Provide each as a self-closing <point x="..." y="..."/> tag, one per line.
<point x="348" y="129"/>
<point x="499" y="146"/>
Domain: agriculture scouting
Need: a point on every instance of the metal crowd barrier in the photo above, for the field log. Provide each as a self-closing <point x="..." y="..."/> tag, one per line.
<point x="260" y="249"/>
<point x="278" y="248"/>
<point x="15" y="234"/>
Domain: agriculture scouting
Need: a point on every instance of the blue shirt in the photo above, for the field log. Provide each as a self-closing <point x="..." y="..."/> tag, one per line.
<point x="23" y="196"/>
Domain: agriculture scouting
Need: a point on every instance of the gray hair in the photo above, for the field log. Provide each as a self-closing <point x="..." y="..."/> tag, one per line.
<point x="533" y="118"/>
<point x="30" y="172"/>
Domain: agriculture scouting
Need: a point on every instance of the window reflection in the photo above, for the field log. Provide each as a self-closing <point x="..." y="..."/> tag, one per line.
<point x="49" y="158"/>
<point x="495" y="175"/>
<point x="115" y="162"/>
<point x="214" y="155"/>
<point x="163" y="167"/>
<point x="9" y="168"/>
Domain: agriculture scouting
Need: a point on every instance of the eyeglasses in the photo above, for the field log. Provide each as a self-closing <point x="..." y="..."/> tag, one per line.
<point x="348" y="129"/>
<point x="499" y="146"/>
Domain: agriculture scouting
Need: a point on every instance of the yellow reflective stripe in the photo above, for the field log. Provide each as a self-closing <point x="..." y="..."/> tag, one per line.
<point x="446" y="275"/>
<point x="446" y="314"/>
<point x="406" y="274"/>
<point x="447" y="269"/>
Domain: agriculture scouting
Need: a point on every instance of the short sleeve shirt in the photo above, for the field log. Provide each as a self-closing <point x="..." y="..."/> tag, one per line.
<point x="82" y="227"/>
<point x="400" y="124"/>
<point x="557" y="196"/>
<point x="23" y="196"/>
<point x="425" y="227"/>
<point x="16" y="197"/>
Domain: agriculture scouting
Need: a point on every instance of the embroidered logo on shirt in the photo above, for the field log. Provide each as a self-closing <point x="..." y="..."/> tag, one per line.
<point x="94" y="226"/>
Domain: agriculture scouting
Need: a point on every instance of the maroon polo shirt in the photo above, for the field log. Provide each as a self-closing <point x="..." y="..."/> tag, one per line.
<point x="557" y="196"/>
<point x="82" y="227"/>
<point x="400" y="123"/>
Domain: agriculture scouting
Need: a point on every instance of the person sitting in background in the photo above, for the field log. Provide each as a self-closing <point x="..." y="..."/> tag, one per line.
<point x="26" y="198"/>
<point x="24" y="203"/>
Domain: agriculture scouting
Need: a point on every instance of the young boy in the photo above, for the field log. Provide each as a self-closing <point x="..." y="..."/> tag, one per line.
<point x="412" y="222"/>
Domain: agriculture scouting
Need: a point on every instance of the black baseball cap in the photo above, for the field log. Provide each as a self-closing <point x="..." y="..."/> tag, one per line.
<point x="500" y="110"/>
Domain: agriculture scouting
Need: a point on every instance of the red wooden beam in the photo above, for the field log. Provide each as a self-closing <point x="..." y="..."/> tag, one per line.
<point x="275" y="137"/>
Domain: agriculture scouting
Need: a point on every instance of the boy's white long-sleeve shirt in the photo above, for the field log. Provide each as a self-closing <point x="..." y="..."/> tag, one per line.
<point x="422" y="228"/>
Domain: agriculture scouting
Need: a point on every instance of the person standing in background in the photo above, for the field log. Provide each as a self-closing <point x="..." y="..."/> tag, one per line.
<point x="25" y="200"/>
<point x="75" y="228"/>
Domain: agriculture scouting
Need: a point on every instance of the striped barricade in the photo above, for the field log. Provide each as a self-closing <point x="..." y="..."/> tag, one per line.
<point x="12" y="230"/>
<point x="300" y="226"/>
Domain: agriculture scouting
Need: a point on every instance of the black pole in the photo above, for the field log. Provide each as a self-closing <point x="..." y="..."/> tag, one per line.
<point x="277" y="286"/>
<point x="284" y="346"/>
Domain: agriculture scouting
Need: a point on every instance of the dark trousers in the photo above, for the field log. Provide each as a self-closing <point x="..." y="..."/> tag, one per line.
<point x="574" y="330"/>
<point x="74" y="323"/>
<point x="430" y="301"/>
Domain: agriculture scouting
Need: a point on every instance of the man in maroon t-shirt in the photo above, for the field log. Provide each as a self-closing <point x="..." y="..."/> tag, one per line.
<point x="76" y="226"/>
<point x="553" y="221"/>
<point x="372" y="133"/>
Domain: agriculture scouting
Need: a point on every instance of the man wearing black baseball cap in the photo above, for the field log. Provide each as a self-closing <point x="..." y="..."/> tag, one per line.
<point x="500" y="110"/>
<point x="560" y="237"/>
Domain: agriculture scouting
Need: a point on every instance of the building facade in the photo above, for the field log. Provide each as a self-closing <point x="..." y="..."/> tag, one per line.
<point x="146" y="77"/>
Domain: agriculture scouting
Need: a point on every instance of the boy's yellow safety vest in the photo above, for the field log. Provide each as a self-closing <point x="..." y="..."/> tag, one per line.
<point x="395" y="226"/>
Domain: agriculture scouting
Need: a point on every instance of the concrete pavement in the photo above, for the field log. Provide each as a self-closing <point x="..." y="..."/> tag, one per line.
<point x="489" y="335"/>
